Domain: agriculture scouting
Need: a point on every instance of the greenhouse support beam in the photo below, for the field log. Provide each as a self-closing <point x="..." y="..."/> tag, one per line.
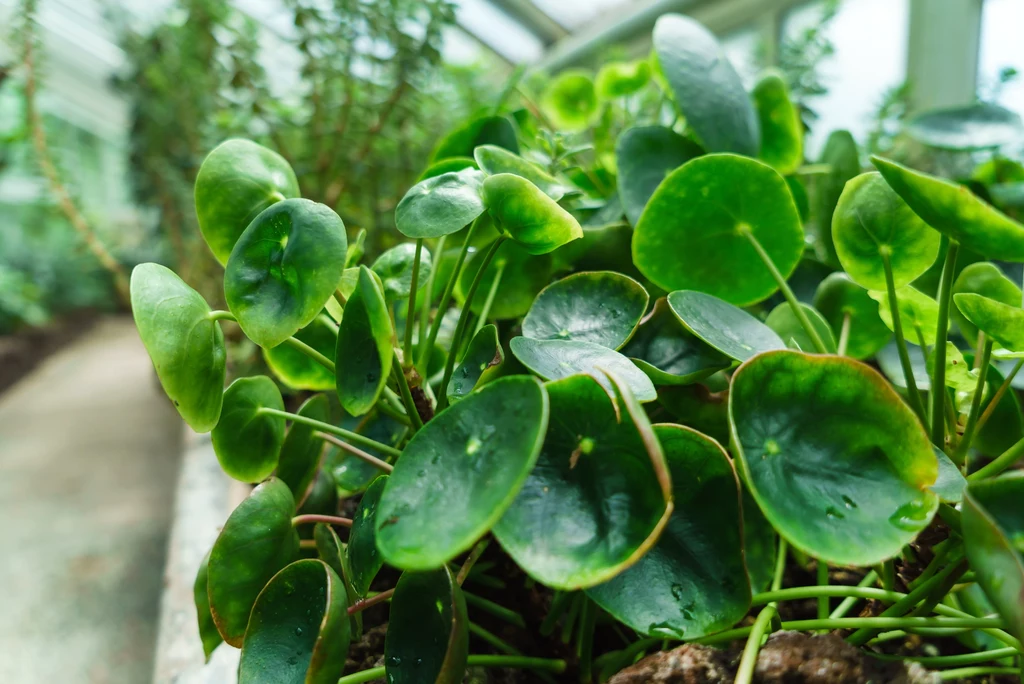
<point x="942" y="52"/>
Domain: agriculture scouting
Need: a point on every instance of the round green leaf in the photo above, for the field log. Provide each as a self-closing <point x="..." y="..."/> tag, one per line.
<point x="364" y="559"/>
<point x="950" y="483"/>
<point x="919" y="313"/>
<point x="694" y="233"/>
<point x="494" y="160"/>
<point x="981" y="125"/>
<point x="237" y="181"/>
<point x="484" y="353"/>
<point x="294" y="368"/>
<point x="523" y="275"/>
<point x="782" y="131"/>
<point x="441" y="205"/>
<point x="705" y="86"/>
<point x="870" y="221"/>
<point x="460" y="472"/>
<point x="301" y="451"/>
<point x="299" y="629"/>
<point x="395" y="270"/>
<point x="993" y="525"/>
<point x="693" y="582"/>
<point x="645" y="155"/>
<point x="257" y="540"/>
<point x="837" y="462"/>
<point x="984" y="279"/>
<point x="208" y="633"/>
<point x="428" y="631"/>
<point x="570" y="100"/>
<point x="364" y="354"/>
<point x="184" y="343"/>
<point x="619" y="79"/>
<point x="1001" y="322"/>
<point x="727" y="328"/>
<point x="487" y="130"/>
<point x="522" y="211"/>
<point x="283" y="268"/>
<point x="760" y="543"/>
<point x="956" y="211"/>
<point x="248" y="442"/>
<point x="699" y="408"/>
<point x="838" y="297"/>
<point x="786" y="325"/>
<point x="601" y="307"/>
<point x="451" y="164"/>
<point x="556" y="359"/>
<point x="599" y="495"/>
<point x="669" y="353"/>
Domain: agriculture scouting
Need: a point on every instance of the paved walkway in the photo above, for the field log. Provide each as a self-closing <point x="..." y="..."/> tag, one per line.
<point x="89" y="454"/>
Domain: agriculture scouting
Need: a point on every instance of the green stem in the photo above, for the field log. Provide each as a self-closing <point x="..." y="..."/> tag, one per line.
<point x="558" y="605"/>
<point x="938" y="393"/>
<point x="406" y="393"/>
<point x="972" y="418"/>
<point x="471" y="560"/>
<point x="887" y="571"/>
<point x="850" y="602"/>
<point x="310" y="352"/>
<point x="823" y="607"/>
<point x="585" y="640"/>
<point x="901" y="343"/>
<point x="498" y="611"/>
<point x="446" y="298"/>
<point x="798" y="310"/>
<point x="410" y="316"/>
<point x="998" y="396"/>
<point x="1001" y="463"/>
<point x="332" y="429"/>
<point x="542" y="664"/>
<point x="428" y="294"/>
<point x="745" y="673"/>
<point x="844" y="335"/>
<point x="493" y="640"/>
<point x="954" y="660"/>
<point x="486" y="310"/>
<point x="218" y="315"/>
<point x="886" y="623"/>
<point x="916" y="595"/>
<point x="460" y="328"/>
<point x="969" y="672"/>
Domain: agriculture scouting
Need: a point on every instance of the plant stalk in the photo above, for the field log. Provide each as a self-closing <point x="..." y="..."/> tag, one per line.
<point x="844" y="335"/>
<point x="428" y="295"/>
<point x="913" y="394"/>
<point x="332" y="429"/>
<point x="403" y="389"/>
<point x="745" y="673"/>
<point x="471" y="559"/>
<point x="998" y="396"/>
<point x="460" y="329"/>
<point x="1001" y="463"/>
<point x="972" y="418"/>
<point x="313" y="518"/>
<point x="301" y="346"/>
<point x="938" y="393"/>
<point x="798" y="310"/>
<point x="358" y="453"/>
<point x="491" y="294"/>
<point x="410" y="316"/>
<point x="370" y="602"/>
<point x="218" y="315"/>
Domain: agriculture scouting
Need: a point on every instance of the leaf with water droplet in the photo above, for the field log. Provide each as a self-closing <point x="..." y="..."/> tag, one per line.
<point x="484" y="353"/>
<point x="425" y="644"/>
<point x="676" y="585"/>
<point x="669" y="353"/>
<point x="726" y="328"/>
<point x="842" y="432"/>
<point x="281" y="623"/>
<point x="363" y="557"/>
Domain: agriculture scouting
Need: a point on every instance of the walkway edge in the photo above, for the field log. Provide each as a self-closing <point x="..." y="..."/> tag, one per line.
<point x="204" y="498"/>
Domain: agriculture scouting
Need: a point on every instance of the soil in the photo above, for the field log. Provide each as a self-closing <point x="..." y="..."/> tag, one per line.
<point x="22" y="351"/>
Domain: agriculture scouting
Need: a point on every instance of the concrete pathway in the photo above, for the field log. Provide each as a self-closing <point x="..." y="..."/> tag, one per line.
<point x="89" y="456"/>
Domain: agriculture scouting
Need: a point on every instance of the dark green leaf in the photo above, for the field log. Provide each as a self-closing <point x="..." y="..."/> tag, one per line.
<point x="727" y="328"/>
<point x="257" y="540"/>
<point x="300" y="453"/>
<point x="838" y="297"/>
<point x="693" y="580"/>
<point x="283" y="269"/>
<point x="333" y="552"/>
<point x="669" y="353"/>
<point x="842" y="160"/>
<point x="364" y="352"/>
<point x="299" y="630"/>
<point x="484" y="352"/>
<point x="460" y="472"/>
<point x="837" y="462"/>
<point x="523" y="275"/>
<point x="599" y="495"/>
<point x="428" y="633"/>
<point x="556" y="359"/>
<point x="602" y="307"/>
<point x="208" y="633"/>
<point x="247" y="442"/>
<point x="695" y="231"/>
<point x="364" y="559"/>
<point x="705" y="86"/>
<point x="237" y="181"/>
<point x="487" y="130"/>
<point x="645" y="155"/>
<point x="786" y="325"/>
<point x="185" y="345"/>
<point x="441" y="205"/>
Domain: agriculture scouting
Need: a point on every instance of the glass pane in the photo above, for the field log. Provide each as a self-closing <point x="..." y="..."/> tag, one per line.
<point x="1002" y="48"/>
<point x="498" y="30"/>
<point x="741" y="48"/>
<point x="575" y="13"/>
<point x="870" y="39"/>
